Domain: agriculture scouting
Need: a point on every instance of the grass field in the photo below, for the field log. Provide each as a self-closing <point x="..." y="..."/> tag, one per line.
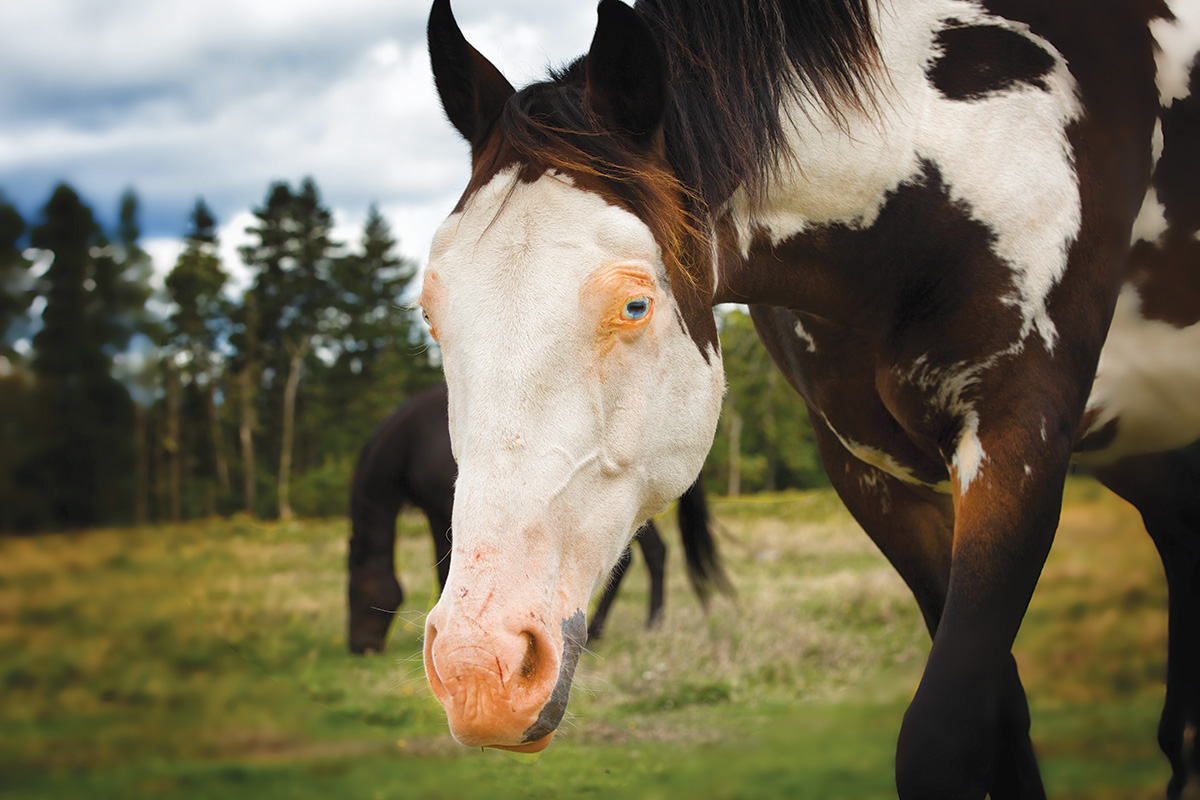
<point x="208" y="660"/>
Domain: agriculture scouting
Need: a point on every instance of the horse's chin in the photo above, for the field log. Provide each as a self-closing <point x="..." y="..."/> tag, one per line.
<point x="529" y="747"/>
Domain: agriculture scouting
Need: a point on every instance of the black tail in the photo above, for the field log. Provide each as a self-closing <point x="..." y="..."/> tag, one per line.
<point x="700" y="548"/>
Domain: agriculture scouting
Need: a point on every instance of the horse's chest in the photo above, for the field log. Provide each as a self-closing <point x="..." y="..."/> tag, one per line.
<point x="839" y="379"/>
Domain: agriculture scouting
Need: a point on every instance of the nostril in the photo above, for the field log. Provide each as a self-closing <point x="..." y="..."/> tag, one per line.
<point x="431" y="673"/>
<point x="529" y="664"/>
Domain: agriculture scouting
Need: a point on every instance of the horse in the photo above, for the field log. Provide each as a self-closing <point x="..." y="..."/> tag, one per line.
<point x="408" y="460"/>
<point x="966" y="231"/>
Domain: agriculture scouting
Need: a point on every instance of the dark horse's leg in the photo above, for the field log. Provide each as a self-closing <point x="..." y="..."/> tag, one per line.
<point x="1165" y="488"/>
<point x="443" y="539"/>
<point x="374" y="592"/>
<point x="655" y="553"/>
<point x="913" y="527"/>
<point x="596" y="627"/>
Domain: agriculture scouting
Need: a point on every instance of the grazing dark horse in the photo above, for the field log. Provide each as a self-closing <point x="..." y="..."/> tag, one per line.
<point x="408" y="461"/>
<point x="967" y="232"/>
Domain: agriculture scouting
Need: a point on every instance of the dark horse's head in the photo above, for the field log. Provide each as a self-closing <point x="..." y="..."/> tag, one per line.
<point x="570" y="293"/>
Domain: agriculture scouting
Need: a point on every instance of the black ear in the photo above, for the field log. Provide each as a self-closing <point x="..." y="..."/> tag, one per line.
<point x="473" y="91"/>
<point x="626" y="75"/>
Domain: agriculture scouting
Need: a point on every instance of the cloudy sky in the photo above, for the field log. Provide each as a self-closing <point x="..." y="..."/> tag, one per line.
<point x="217" y="98"/>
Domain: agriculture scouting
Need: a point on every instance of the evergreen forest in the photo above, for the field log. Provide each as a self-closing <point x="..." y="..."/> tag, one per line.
<point x="220" y="389"/>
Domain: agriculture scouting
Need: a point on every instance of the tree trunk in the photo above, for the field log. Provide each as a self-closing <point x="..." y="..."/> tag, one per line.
<point x="246" y="437"/>
<point x="772" y="434"/>
<point x="295" y="364"/>
<point x="141" y="466"/>
<point x="735" y="453"/>
<point x="172" y="443"/>
<point x="157" y="426"/>
<point x="214" y="417"/>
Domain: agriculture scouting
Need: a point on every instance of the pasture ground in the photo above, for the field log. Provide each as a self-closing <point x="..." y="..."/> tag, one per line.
<point x="208" y="660"/>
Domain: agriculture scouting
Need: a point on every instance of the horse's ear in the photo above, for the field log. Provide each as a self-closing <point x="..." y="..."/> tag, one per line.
<point x="626" y="76"/>
<point x="472" y="90"/>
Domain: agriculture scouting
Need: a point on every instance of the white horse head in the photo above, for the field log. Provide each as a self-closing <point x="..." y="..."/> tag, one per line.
<point x="582" y="361"/>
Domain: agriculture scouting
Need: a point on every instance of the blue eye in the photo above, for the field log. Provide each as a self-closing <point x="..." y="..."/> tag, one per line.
<point x="636" y="308"/>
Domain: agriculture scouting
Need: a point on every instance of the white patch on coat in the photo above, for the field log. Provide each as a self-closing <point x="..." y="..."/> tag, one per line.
<point x="806" y="337"/>
<point x="1148" y="379"/>
<point x="968" y="455"/>
<point x="1006" y="157"/>
<point x="1151" y="222"/>
<point x="870" y="483"/>
<point x="1156" y="144"/>
<point x="884" y="461"/>
<point x="947" y="387"/>
<point x="1178" y="43"/>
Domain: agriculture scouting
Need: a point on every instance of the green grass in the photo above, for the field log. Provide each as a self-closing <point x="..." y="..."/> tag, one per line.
<point x="209" y="660"/>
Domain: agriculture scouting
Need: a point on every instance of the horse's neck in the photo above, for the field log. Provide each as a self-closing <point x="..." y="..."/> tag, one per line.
<point x="1006" y="158"/>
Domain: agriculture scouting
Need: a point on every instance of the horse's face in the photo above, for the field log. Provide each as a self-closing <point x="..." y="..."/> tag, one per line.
<point x="582" y="401"/>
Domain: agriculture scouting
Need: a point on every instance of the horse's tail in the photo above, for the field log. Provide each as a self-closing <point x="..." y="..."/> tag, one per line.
<point x="700" y="548"/>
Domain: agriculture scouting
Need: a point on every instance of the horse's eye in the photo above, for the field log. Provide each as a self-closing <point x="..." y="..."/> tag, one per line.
<point x="425" y="316"/>
<point x="636" y="308"/>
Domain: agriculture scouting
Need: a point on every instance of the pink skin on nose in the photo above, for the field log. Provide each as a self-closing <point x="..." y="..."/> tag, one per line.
<point x="502" y="684"/>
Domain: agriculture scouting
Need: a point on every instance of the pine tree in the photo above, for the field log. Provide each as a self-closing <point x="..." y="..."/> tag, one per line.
<point x="198" y="321"/>
<point x="14" y="386"/>
<point x="122" y="276"/>
<point x="292" y="259"/>
<point x="245" y="367"/>
<point x="14" y="294"/>
<point x="371" y="284"/>
<point x="84" y="428"/>
<point x="66" y="346"/>
<point x="379" y="359"/>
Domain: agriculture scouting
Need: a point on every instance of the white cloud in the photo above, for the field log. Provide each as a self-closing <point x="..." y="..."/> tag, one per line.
<point x="217" y="98"/>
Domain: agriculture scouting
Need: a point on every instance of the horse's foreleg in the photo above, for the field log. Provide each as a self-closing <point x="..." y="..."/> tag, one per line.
<point x="1179" y="725"/>
<point x="1165" y="488"/>
<point x="913" y="528"/>
<point x="596" y="626"/>
<point x="965" y="734"/>
<point x="655" y="553"/>
<point x="443" y="541"/>
<point x="373" y="591"/>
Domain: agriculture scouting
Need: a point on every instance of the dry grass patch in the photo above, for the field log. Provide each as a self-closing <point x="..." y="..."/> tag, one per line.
<point x="818" y="614"/>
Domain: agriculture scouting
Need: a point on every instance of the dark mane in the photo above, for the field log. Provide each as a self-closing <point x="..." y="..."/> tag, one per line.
<point x="732" y="64"/>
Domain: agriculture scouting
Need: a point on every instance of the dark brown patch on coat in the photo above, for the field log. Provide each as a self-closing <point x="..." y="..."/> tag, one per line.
<point x="1166" y="273"/>
<point x="1167" y="278"/>
<point x="981" y="60"/>
<point x="1177" y="176"/>
<point x="919" y="290"/>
